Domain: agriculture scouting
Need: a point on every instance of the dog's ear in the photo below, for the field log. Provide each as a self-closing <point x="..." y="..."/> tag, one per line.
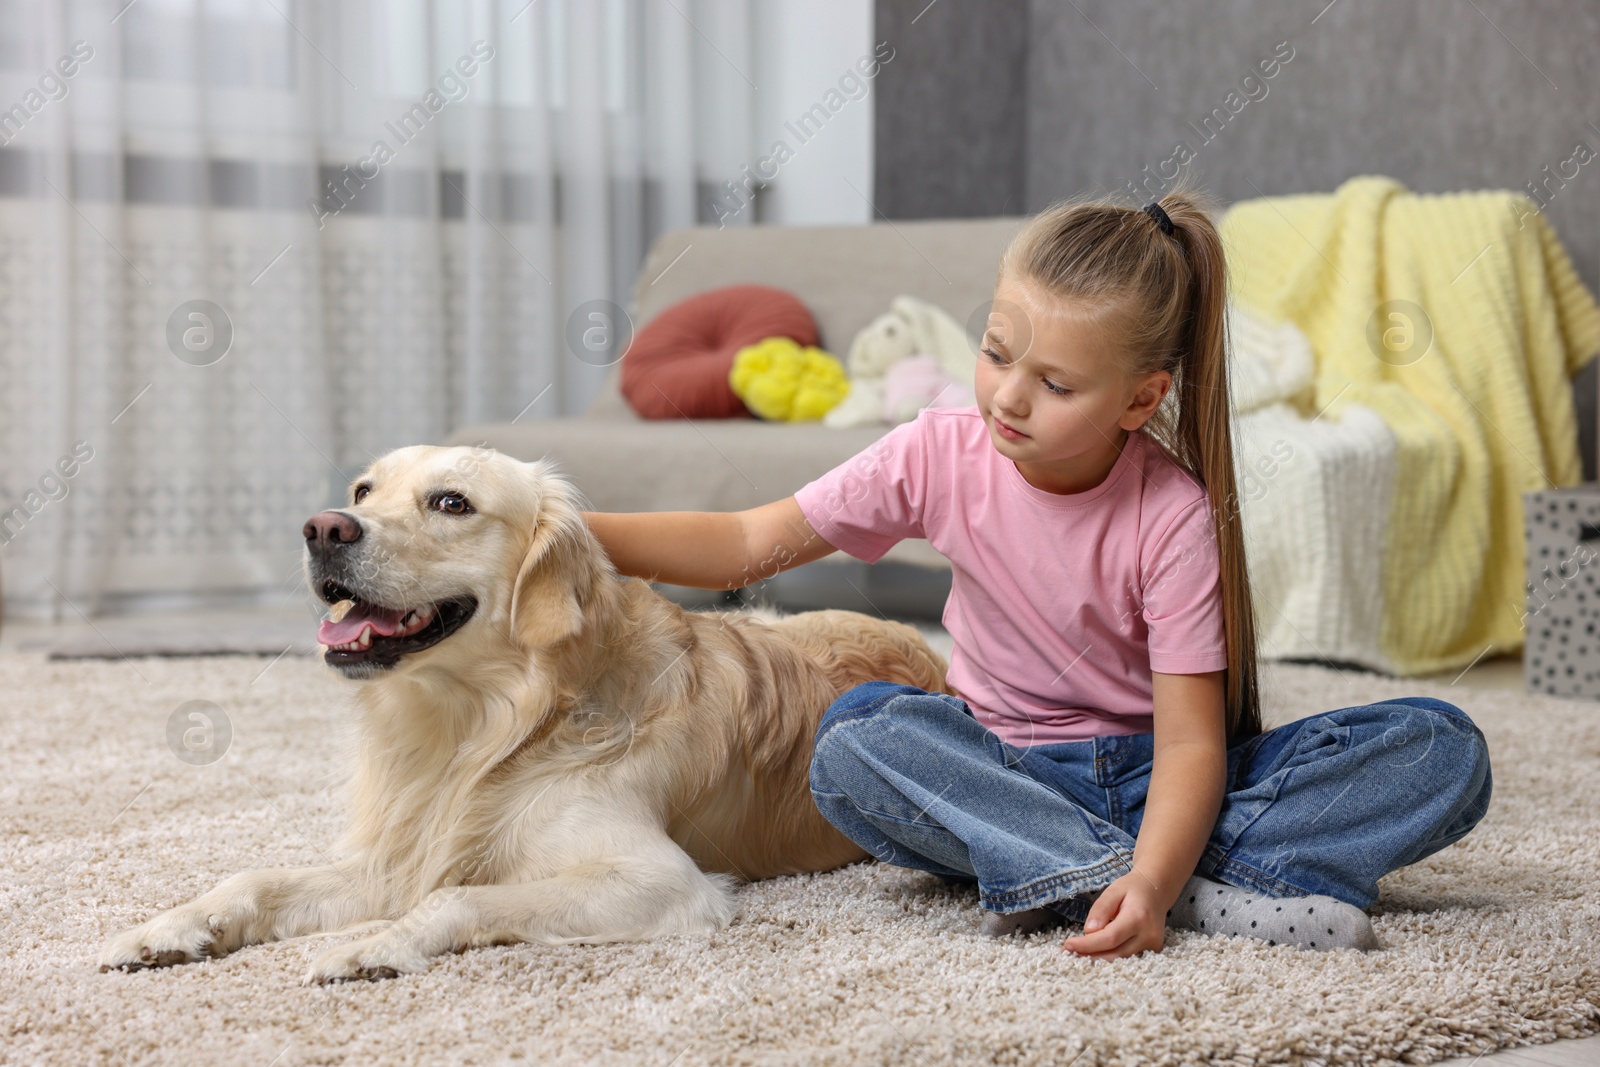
<point x="545" y="608"/>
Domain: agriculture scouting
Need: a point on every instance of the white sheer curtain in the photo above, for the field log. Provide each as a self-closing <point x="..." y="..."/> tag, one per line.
<point x="387" y="211"/>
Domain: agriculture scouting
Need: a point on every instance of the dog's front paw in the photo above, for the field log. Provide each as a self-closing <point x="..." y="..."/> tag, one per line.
<point x="367" y="960"/>
<point x="182" y="935"/>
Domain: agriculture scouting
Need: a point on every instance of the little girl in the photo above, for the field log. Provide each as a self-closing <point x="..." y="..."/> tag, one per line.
<point x="1104" y="760"/>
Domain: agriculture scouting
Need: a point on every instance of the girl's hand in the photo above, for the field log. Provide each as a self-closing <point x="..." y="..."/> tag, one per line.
<point x="1127" y="918"/>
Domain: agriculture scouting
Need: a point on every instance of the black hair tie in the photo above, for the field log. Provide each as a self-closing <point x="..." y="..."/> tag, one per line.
<point x="1154" y="210"/>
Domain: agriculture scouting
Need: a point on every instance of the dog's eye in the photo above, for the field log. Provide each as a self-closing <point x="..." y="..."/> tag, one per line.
<point x="452" y="504"/>
<point x="361" y="491"/>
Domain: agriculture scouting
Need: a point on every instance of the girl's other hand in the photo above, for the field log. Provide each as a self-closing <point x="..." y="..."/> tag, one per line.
<point x="1126" y="919"/>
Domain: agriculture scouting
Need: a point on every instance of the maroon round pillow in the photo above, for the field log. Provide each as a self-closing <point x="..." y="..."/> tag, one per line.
<point x="678" y="364"/>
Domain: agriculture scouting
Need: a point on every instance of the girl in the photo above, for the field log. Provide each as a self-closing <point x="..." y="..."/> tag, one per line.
<point x="1104" y="760"/>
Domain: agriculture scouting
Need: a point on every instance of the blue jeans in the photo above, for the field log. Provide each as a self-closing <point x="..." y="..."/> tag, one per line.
<point x="1327" y="804"/>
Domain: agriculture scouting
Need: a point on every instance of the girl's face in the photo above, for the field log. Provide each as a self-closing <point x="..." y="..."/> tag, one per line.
<point x="1052" y="389"/>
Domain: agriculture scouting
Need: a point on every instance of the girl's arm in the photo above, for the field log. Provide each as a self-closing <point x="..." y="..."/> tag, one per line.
<point x="708" y="549"/>
<point x="1187" y="780"/>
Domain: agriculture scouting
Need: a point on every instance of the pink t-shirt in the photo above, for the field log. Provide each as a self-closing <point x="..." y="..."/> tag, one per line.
<point x="1060" y="605"/>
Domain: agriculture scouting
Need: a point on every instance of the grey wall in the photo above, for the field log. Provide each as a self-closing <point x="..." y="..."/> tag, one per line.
<point x="950" y="111"/>
<point x="1429" y="92"/>
<point x="989" y="101"/>
<point x="1038" y="99"/>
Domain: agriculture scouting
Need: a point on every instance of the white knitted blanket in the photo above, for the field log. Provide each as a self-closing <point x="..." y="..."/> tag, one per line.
<point x="1314" y="494"/>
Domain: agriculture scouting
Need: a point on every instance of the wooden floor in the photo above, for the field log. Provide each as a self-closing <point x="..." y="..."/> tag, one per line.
<point x="1581" y="1052"/>
<point x="1503" y="673"/>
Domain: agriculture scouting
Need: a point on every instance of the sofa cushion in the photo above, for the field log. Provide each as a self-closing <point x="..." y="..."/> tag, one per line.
<point x="845" y="274"/>
<point x="678" y="364"/>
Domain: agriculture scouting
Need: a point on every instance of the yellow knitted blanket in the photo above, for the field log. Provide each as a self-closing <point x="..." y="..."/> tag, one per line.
<point x="1469" y="368"/>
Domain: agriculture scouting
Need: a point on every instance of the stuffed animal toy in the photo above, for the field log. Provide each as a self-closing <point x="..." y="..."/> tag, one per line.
<point x="918" y="382"/>
<point x="910" y="328"/>
<point x="1270" y="362"/>
<point x="782" y="381"/>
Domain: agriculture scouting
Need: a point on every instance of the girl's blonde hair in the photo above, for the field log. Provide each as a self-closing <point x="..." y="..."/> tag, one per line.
<point x="1168" y="293"/>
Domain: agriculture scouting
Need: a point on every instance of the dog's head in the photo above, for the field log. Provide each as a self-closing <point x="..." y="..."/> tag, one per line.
<point x="463" y="548"/>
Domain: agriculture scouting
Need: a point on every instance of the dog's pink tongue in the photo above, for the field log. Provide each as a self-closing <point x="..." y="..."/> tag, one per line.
<point x="384" y="622"/>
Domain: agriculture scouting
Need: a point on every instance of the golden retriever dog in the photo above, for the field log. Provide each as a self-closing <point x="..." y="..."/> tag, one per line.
<point x="548" y="752"/>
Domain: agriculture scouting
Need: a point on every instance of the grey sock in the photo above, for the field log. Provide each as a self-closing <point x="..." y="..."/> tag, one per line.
<point x="1018" y="922"/>
<point x="1317" y="922"/>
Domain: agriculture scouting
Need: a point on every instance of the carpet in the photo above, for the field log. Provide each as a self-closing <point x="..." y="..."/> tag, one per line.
<point x="1490" y="943"/>
<point x="137" y="637"/>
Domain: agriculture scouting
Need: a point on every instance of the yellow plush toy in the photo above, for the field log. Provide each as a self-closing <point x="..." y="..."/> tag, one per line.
<point x="781" y="381"/>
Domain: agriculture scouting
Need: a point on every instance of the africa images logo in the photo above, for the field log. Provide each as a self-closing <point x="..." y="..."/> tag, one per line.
<point x="1252" y="88"/>
<point x="451" y="87"/>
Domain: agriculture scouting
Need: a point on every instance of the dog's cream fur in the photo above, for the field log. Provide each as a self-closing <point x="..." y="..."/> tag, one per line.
<point x="582" y="760"/>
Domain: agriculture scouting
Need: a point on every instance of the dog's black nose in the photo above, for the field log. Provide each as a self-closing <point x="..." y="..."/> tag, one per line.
<point x="328" y="529"/>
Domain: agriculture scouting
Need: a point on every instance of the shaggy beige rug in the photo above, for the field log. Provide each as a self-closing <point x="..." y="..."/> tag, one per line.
<point x="1490" y="943"/>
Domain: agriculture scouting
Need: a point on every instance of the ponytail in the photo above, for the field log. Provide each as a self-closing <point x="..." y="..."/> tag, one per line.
<point x="1202" y="443"/>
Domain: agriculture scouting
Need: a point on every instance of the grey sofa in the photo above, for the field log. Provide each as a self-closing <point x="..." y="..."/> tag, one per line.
<point x="846" y="276"/>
